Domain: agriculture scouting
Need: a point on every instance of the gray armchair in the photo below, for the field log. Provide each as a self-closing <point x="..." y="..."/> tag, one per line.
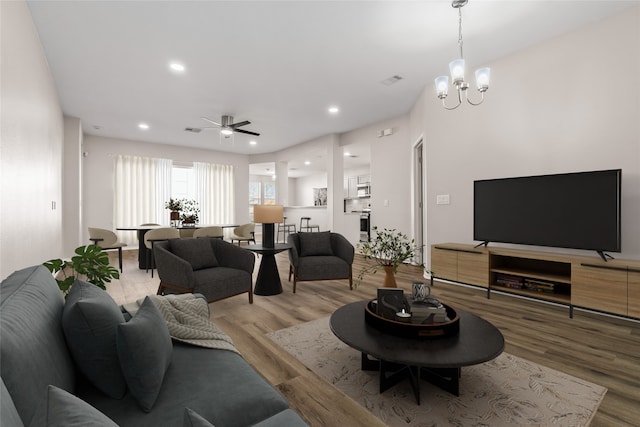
<point x="209" y="266"/>
<point x="320" y="256"/>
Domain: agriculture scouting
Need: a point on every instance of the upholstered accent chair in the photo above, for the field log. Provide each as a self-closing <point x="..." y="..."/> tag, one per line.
<point x="209" y="266"/>
<point x="107" y="240"/>
<point x="320" y="256"/>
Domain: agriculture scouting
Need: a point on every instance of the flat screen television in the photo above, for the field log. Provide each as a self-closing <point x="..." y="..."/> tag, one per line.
<point x="571" y="210"/>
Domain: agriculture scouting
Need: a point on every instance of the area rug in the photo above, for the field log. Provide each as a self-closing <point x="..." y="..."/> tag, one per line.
<point x="506" y="391"/>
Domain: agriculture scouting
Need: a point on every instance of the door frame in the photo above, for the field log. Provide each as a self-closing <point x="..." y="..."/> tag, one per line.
<point x="419" y="186"/>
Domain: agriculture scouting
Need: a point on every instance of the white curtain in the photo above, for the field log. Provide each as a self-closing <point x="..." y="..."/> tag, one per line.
<point x="163" y="189"/>
<point x="142" y="185"/>
<point x="215" y="192"/>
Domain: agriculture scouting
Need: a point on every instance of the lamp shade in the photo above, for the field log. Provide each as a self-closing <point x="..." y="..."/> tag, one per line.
<point x="442" y="86"/>
<point x="268" y="214"/>
<point x="457" y="71"/>
<point x="482" y="78"/>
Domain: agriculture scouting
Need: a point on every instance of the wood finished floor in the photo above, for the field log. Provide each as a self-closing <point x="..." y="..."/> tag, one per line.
<point x="594" y="347"/>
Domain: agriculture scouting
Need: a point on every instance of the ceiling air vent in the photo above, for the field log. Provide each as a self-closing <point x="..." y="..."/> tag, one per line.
<point x="194" y="130"/>
<point x="391" y="80"/>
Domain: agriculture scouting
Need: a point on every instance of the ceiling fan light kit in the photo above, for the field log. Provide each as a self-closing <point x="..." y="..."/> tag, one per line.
<point x="456" y="69"/>
<point x="228" y="128"/>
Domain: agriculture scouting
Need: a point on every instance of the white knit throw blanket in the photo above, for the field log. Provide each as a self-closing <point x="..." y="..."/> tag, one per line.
<point x="187" y="318"/>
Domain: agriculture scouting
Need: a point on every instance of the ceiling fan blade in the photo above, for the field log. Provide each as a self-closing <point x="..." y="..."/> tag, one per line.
<point x="240" y="124"/>
<point x="210" y="121"/>
<point x="248" y="132"/>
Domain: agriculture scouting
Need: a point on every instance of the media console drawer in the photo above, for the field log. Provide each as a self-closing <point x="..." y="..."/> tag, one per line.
<point x="461" y="263"/>
<point x="600" y="288"/>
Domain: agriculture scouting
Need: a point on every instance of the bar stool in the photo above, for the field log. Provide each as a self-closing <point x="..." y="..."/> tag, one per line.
<point x="307" y="226"/>
<point x="285" y="229"/>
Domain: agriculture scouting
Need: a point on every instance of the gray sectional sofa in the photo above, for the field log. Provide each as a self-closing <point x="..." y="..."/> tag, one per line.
<point x="66" y="364"/>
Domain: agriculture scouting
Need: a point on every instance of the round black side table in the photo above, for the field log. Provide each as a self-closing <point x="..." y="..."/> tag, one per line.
<point x="268" y="281"/>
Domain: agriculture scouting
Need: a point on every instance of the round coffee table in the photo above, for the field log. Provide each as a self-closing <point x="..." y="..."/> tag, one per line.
<point x="437" y="360"/>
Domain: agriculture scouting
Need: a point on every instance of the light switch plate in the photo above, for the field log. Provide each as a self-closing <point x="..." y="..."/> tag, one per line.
<point x="442" y="199"/>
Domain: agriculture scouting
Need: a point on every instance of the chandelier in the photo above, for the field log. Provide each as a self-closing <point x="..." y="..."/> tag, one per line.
<point x="456" y="68"/>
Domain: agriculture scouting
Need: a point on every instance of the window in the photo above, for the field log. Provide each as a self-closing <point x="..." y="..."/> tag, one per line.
<point x="269" y="196"/>
<point x="255" y="190"/>
<point x="183" y="183"/>
<point x="261" y="193"/>
<point x="143" y="185"/>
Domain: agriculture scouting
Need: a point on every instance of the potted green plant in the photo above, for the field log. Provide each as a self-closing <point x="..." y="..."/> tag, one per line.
<point x="387" y="250"/>
<point x="190" y="211"/>
<point x="90" y="263"/>
<point x="175" y="206"/>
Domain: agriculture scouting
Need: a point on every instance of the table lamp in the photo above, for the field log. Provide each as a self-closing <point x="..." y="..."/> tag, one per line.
<point x="268" y="215"/>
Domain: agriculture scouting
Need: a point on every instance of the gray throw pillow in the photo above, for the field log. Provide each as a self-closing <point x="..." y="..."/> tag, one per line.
<point x="90" y="320"/>
<point x="198" y="252"/>
<point x="145" y="351"/>
<point x="66" y="410"/>
<point x="193" y="419"/>
<point x="315" y="243"/>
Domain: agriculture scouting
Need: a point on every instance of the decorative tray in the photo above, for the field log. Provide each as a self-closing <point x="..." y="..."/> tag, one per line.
<point x="413" y="330"/>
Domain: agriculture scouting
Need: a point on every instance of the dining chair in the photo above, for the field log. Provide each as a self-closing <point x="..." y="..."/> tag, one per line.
<point x="244" y="233"/>
<point x="107" y="240"/>
<point x="213" y="231"/>
<point x="157" y="235"/>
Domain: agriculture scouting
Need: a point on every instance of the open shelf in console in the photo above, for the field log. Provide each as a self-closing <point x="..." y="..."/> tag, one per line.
<point x="531" y="276"/>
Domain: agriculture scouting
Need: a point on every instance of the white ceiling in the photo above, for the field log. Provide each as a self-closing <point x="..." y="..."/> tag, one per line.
<point x="278" y="64"/>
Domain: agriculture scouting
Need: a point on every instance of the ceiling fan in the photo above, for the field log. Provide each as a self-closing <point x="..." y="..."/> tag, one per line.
<point x="227" y="127"/>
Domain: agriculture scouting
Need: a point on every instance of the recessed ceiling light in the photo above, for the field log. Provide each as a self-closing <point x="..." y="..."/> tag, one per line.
<point x="143" y="126"/>
<point x="307" y="162"/>
<point x="334" y="110"/>
<point x="347" y="154"/>
<point x="176" y="66"/>
<point x="252" y="142"/>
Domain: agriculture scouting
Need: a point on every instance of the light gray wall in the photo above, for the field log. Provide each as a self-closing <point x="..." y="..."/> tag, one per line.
<point x="72" y="186"/>
<point x="569" y="104"/>
<point x="98" y="175"/>
<point x="304" y="188"/>
<point x="391" y="172"/>
<point x="31" y="146"/>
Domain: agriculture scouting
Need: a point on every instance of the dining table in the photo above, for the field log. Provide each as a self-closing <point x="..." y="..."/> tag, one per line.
<point x="141" y="230"/>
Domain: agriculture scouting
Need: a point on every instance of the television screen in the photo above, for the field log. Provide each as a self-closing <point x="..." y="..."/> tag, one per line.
<point x="573" y="210"/>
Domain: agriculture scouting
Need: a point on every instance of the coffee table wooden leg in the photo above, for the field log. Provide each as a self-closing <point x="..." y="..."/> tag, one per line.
<point x="367" y="364"/>
<point x="393" y="373"/>
<point x="447" y="379"/>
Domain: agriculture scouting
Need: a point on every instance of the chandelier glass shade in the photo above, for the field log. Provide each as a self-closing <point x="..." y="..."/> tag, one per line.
<point x="457" y="70"/>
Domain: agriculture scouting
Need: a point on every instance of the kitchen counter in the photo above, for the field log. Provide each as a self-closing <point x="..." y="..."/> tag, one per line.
<point x="305" y="207"/>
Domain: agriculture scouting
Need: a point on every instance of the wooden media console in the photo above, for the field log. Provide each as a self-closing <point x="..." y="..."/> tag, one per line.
<point x="572" y="280"/>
